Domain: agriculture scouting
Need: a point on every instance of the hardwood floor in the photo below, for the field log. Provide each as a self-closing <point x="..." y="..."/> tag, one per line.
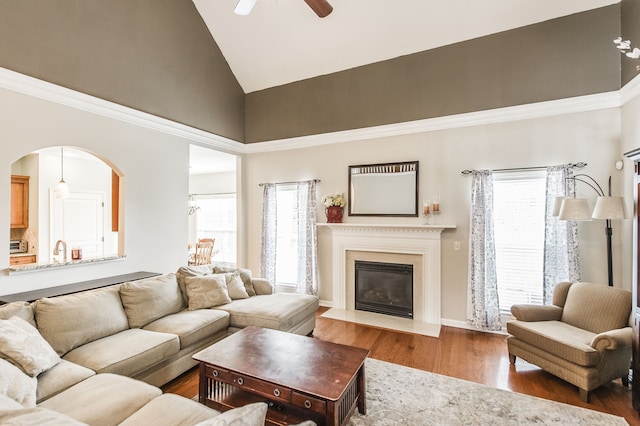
<point x="469" y="355"/>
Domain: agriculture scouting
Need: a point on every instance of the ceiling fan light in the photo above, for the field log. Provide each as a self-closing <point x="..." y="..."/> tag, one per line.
<point x="321" y="7"/>
<point x="244" y="7"/>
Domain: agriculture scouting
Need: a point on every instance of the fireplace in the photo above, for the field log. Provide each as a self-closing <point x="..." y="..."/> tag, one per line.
<point x="385" y="288"/>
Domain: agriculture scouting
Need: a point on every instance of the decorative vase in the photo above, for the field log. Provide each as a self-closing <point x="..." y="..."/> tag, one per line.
<point x="334" y="214"/>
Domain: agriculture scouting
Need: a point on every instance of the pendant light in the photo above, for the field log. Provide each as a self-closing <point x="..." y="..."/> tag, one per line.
<point x="62" y="189"/>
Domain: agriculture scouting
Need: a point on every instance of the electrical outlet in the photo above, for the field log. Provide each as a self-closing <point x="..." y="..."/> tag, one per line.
<point x="456" y="245"/>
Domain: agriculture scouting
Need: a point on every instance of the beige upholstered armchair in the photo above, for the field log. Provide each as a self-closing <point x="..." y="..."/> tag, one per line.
<point x="583" y="338"/>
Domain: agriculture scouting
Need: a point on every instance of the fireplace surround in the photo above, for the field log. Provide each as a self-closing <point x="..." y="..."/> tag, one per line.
<point x="418" y="245"/>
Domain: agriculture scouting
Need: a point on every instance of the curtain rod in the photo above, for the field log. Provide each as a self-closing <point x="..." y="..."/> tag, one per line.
<point x="513" y="169"/>
<point x="289" y="183"/>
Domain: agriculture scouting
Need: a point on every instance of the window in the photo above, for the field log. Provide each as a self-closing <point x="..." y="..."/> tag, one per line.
<point x="216" y="218"/>
<point x="287" y="236"/>
<point x="519" y="227"/>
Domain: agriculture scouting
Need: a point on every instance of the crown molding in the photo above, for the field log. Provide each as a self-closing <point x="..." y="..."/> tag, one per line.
<point x="44" y="90"/>
<point x="40" y="89"/>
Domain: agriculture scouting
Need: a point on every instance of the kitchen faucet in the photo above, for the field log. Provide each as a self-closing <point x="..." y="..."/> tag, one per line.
<point x="56" y="250"/>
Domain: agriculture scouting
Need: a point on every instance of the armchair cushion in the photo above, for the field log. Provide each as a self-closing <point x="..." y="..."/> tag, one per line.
<point x="563" y="340"/>
<point x="597" y="307"/>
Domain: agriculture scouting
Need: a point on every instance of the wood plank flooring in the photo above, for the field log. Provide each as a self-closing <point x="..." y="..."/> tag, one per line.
<point x="469" y="355"/>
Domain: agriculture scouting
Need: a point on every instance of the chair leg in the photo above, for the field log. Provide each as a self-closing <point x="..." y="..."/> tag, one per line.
<point x="584" y="395"/>
<point x="625" y="381"/>
<point x="512" y="359"/>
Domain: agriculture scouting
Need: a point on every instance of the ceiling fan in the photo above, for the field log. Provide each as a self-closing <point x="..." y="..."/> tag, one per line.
<point x="321" y="7"/>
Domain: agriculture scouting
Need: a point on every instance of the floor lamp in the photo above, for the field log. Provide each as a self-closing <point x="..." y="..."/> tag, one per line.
<point x="607" y="208"/>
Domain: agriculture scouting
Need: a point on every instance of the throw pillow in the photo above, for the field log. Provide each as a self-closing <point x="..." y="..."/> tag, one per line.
<point x="22" y="345"/>
<point x="207" y="291"/>
<point x="235" y="286"/>
<point x="147" y="300"/>
<point x="245" y="275"/>
<point x="17" y="385"/>
<point x="248" y="415"/>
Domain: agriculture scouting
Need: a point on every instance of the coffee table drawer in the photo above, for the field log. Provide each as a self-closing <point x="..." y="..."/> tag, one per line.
<point x="217" y="373"/>
<point x="263" y="388"/>
<point x="308" y="402"/>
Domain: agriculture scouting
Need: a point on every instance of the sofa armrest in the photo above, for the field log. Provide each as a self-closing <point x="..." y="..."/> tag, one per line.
<point x="262" y="286"/>
<point x="536" y="312"/>
<point x="613" y="339"/>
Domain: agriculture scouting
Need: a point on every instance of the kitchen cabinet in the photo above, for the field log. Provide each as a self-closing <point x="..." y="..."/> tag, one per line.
<point x="22" y="260"/>
<point x="19" y="201"/>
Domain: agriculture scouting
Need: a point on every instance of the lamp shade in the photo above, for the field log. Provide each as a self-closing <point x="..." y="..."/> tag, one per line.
<point x="609" y="208"/>
<point x="557" y="203"/>
<point x="574" y="209"/>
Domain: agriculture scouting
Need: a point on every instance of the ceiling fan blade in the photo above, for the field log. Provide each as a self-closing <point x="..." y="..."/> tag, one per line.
<point x="244" y="7"/>
<point x="321" y="7"/>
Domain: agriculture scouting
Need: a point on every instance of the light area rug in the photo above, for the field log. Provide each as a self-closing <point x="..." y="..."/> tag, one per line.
<point x="398" y="395"/>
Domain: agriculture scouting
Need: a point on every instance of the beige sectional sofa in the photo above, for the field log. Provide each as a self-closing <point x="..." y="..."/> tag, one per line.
<point x="104" y="339"/>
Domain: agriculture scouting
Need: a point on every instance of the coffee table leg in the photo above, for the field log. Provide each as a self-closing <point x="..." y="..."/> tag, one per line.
<point x="362" y="392"/>
<point x="202" y="384"/>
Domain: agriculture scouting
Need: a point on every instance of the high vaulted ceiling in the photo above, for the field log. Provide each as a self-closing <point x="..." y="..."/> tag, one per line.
<point x="283" y="41"/>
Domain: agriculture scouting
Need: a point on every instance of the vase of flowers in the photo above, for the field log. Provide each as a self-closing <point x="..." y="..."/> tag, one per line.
<point x="334" y="207"/>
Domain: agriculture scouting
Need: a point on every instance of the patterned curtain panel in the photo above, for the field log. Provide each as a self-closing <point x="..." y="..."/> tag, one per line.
<point x="561" y="258"/>
<point x="483" y="309"/>
<point x="307" y="239"/>
<point x="269" y="233"/>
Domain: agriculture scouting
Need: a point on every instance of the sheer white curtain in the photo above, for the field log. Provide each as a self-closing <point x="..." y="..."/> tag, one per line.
<point x="307" y="238"/>
<point x="269" y="232"/>
<point x="307" y="248"/>
<point x="483" y="308"/>
<point x="561" y="257"/>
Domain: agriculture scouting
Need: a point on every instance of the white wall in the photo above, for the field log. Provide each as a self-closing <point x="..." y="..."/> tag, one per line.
<point x="592" y="137"/>
<point x="155" y="169"/>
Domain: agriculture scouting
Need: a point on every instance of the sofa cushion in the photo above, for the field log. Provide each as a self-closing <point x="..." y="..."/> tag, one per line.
<point x="103" y="399"/>
<point x="219" y="268"/>
<point x="128" y="352"/>
<point x="206" y="291"/>
<point x="18" y="309"/>
<point x="36" y="416"/>
<point x="192" y="326"/>
<point x="280" y="311"/>
<point x="64" y="375"/>
<point x="22" y="345"/>
<point x="147" y="300"/>
<point x="556" y="337"/>
<point x="597" y="307"/>
<point x="7" y="403"/>
<point x="191" y="271"/>
<point x="170" y="410"/>
<point x="67" y="322"/>
<point x="248" y="415"/>
<point x="17" y="385"/>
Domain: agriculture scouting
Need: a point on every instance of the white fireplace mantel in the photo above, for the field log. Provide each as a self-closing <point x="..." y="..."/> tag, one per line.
<point x="421" y="240"/>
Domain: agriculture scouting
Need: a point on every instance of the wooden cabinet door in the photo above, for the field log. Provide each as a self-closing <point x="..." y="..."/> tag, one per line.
<point x="19" y="201"/>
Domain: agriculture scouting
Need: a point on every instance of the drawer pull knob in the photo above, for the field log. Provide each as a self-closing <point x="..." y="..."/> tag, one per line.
<point x="240" y="381"/>
<point x="276" y="392"/>
<point x="307" y="404"/>
<point x="215" y="373"/>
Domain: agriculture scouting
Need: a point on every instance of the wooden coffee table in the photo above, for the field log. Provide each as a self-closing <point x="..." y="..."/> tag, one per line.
<point x="301" y="378"/>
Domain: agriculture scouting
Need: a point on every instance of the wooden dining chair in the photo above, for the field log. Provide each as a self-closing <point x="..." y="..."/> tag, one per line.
<point x="203" y="253"/>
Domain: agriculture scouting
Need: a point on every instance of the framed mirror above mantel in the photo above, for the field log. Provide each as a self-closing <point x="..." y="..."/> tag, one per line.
<point x="53" y="226"/>
<point x="384" y="189"/>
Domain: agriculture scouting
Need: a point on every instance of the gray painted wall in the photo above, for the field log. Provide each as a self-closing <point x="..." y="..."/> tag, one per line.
<point x="630" y="17"/>
<point x="156" y="56"/>
<point x="561" y="58"/>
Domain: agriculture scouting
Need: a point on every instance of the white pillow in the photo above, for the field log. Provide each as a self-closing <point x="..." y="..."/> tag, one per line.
<point x="235" y="286"/>
<point x="248" y="415"/>
<point x="206" y="291"/>
<point x="22" y="345"/>
<point x="17" y="385"/>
